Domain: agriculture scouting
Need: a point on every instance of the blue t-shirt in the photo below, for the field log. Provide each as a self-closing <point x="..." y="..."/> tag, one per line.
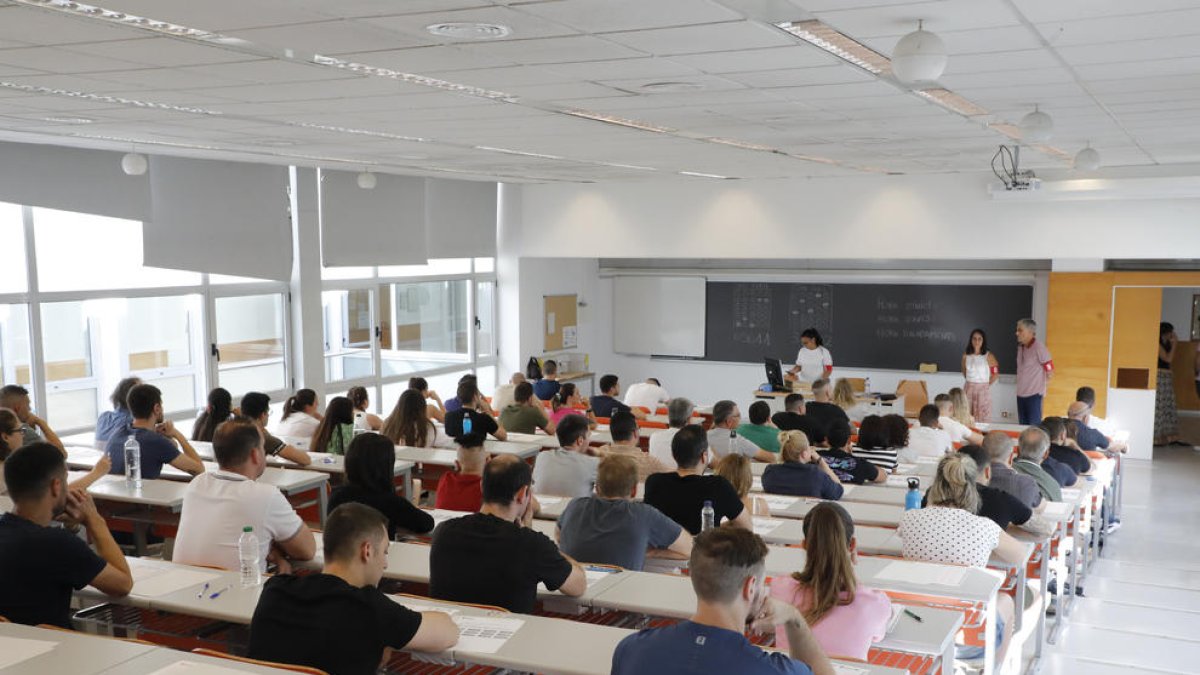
<point x="605" y="405"/>
<point x="157" y="450"/>
<point x="546" y="389"/>
<point x="614" y="531"/>
<point x="1062" y="473"/>
<point x="1089" y="438"/>
<point x="452" y="404"/>
<point x="689" y="648"/>
<point x="110" y="422"/>
<point x="801" y="480"/>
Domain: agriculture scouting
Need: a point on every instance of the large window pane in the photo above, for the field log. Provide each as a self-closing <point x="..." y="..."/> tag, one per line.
<point x="14" y="345"/>
<point x="485" y="318"/>
<point x="428" y="326"/>
<point x="336" y="273"/>
<point x="487" y="379"/>
<point x="71" y="408"/>
<point x="250" y="335"/>
<point x="80" y="251"/>
<point x="437" y="266"/>
<point x="69" y="356"/>
<point x="348" y="334"/>
<point x="163" y="340"/>
<point x="485" y="265"/>
<point x="12" y="254"/>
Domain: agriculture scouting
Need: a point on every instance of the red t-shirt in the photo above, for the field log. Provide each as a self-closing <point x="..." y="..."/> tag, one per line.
<point x="459" y="492"/>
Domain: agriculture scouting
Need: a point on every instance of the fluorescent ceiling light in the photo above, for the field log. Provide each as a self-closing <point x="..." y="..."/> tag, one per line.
<point x="112" y="16"/>
<point x="951" y="101"/>
<point x="410" y="78"/>
<point x="522" y="153"/>
<point x="619" y="121"/>
<point x="700" y="174"/>
<point x="839" y="44"/>
<point x="115" y="100"/>
<point x="69" y="120"/>
<point x="745" y="145"/>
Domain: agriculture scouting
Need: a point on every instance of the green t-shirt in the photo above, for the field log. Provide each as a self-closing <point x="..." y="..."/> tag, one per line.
<point x="762" y="435"/>
<point x="522" y="419"/>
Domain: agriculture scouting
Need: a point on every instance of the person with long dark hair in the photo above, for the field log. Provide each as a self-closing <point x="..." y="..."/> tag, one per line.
<point x="335" y="432"/>
<point x="435" y="410"/>
<point x="980" y="370"/>
<point x="119" y="417"/>
<point x="300" y="417"/>
<point x="370" y="480"/>
<point x="813" y="362"/>
<point x="1166" y="413"/>
<point x="408" y="425"/>
<point x="218" y="410"/>
<point x="363" y="419"/>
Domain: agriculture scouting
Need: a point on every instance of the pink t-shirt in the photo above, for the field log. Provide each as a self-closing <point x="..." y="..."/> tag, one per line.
<point x="846" y="630"/>
<point x="557" y="415"/>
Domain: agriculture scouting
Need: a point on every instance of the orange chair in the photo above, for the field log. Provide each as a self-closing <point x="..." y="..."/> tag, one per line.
<point x="269" y="664"/>
<point x="916" y="395"/>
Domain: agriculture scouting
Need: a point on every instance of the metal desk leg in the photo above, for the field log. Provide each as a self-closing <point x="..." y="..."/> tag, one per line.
<point x="408" y="485"/>
<point x="322" y="503"/>
<point x="989" y="637"/>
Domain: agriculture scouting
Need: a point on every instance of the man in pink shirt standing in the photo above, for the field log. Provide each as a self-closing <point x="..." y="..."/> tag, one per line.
<point x="1034" y="370"/>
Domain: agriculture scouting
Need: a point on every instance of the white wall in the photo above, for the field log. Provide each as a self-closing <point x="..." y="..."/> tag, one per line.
<point x="1177" y="309"/>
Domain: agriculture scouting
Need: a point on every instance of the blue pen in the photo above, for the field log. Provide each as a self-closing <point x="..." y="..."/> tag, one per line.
<point x="202" y="591"/>
<point x="214" y="595"/>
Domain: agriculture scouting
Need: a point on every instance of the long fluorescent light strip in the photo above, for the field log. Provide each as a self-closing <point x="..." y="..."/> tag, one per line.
<point x="410" y="78"/>
<point x="115" y="100"/>
<point x="700" y="174"/>
<point x="951" y="101"/>
<point x="619" y="121"/>
<point x="744" y="145"/>
<point x="839" y="44"/>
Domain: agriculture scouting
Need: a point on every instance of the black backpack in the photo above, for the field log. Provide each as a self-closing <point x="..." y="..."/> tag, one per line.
<point x="533" y="369"/>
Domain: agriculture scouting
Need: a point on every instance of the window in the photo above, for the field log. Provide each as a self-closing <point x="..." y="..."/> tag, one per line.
<point x="485" y="319"/>
<point x="250" y="343"/>
<point x="487" y="380"/>
<point x="427" y="326"/>
<point x="14" y="345"/>
<point x="12" y="255"/>
<point x="348" y="335"/>
<point x="68" y="349"/>
<point x="435" y="267"/>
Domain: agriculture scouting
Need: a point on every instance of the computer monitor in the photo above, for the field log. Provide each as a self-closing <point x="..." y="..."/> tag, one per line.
<point x="775" y="374"/>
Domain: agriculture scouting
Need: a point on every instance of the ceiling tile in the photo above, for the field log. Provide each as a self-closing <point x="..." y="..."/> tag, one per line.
<point x="940" y="16"/>
<point x="550" y="50"/>
<point x="603" y="16"/>
<point x="802" y="77"/>
<point x="706" y="38"/>
<point x="331" y="37"/>
<point x="524" y="26"/>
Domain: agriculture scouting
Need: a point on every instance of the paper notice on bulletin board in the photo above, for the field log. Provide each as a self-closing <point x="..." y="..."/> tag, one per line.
<point x="560" y="315"/>
<point x="570" y="337"/>
<point x="550" y="323"/>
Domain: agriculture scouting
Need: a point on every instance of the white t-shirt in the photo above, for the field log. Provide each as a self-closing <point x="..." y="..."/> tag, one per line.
<point x="941" y="534"/>
<point x="721" y="444"/>
<point x="297" y="425"/>
<point x="217" y="505"/>
<point x="1102" y="425"/>
<point x="503" y="396"/>
<point x="813" y="362"/>
<point x="958" y="432"/>
<point x="647" y="395"/>
<point x="660" y="447"/>
<point x="929" y="442"/>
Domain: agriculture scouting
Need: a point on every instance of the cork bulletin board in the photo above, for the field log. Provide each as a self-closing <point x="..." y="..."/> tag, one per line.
<point x="560" y="322"/>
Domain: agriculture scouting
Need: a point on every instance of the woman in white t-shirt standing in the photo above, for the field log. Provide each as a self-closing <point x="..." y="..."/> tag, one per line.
<point x="980" y="368"/>
<point x="813" y="362"/>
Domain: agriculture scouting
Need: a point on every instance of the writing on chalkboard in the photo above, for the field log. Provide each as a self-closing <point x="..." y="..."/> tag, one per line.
<point x="752" y="314"/>
<point x="811" y="306"/>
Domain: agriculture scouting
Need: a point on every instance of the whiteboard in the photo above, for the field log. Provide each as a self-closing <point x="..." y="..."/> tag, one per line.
<point x="659" y="315"/>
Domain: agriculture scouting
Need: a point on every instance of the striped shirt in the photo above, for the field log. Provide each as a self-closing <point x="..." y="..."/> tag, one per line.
<point x="884" y="458"/>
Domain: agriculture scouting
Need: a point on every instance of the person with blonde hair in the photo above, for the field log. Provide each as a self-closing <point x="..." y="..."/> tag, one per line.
<point x="843" y="397"/>
<point x="736" y="470"/>
<point x="962" y="407"/>
<point x="846" y="618"/>
<point x="802" y="471"/>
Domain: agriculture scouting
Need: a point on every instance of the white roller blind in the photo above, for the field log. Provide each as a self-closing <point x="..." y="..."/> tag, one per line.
<point x="219" y="217"/>
<point x="72" y="179"/>
<point x="381" y="226"/>
<point x="461" y="218"/>
<point x="659" y="315"/>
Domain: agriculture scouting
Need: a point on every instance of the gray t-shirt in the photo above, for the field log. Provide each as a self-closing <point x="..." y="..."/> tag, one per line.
<point x="722" y="444"/>
<point x="614" y="531"/>
<point x="565" y="473"/>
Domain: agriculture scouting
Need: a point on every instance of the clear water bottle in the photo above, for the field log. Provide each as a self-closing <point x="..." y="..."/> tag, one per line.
<point x="133" y="462"/>
<point x="248" y="558"/>
<point x="912" y="500"/>
<point x="866" y="385"/>
<point x="466" y="422"/>
<point x="708" y="516"/>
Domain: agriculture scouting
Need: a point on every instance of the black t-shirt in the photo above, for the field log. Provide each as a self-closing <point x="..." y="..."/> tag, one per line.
<point x="400" y="512"/>
<point x="790" y="421"/>
<point x="848" y="468"/>
<point x="486" y="560"/>
<point x="682" y="497"/>
<point x="1062" y="473"/>
<point x="39" y="568"/>
<point x="481" y="423"/>
<point x="825" y="414"/>
<point x="605" y="405"/>
<point x="1073" y="458"/>
<point x="323" y="622"/>
<point x="997" y="506"/>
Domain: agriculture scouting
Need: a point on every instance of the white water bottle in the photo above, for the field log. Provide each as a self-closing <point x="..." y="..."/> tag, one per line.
<point x="133" y="462"/>
<point x="248" y="558"/>
<point x="708" y="516"/>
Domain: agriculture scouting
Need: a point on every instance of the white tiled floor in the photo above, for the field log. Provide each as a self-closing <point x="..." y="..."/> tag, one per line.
<point x="1141" y="612"/>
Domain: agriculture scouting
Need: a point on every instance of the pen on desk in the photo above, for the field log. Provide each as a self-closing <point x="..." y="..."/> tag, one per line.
<point x="202" y="591"/>
<point x="914" y="615"/>
<point x="214" y="595"/>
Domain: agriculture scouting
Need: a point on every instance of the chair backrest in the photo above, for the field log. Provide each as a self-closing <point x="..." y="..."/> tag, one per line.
<point x="425" y="600"/>
<point x="256" y="662"/>
<point x="915" y="394"/>
<point x="858" y="384"/>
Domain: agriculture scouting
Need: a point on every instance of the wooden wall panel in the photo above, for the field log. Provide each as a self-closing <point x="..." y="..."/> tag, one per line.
<point x="1078" y="318"/>
<point x="1136" y="313"/>
<point x="1184" y="373"/>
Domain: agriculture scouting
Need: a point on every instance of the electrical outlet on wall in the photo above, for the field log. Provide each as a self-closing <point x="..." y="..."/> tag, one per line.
<point x="1004" y="413"/>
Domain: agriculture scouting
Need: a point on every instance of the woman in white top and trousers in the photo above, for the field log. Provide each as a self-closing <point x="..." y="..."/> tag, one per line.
<point x="980" y="368"/>
<point x="814" y="362"/>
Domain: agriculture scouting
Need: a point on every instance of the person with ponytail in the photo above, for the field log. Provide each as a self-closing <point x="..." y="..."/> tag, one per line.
<point x="362" y="419"/>
<point x="435" y="410"/>
<point x="568" y="401"/>
<point x="300" y="417"/>
<point x="846" y="618"/>
<point x="408" y="425"/>
<point x="801" y="472"/>
<point x="336" y="431"/>
<point x="218" y="410"/>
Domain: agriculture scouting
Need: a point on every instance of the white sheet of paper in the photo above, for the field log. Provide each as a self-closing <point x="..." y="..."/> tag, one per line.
<point x="550" y="323"/>
<point x="942" y="575"/>
<point x="442" y="515"/>
<point x="596" y="575"/>
<point x="925" y="459"/>
<point x="196" y="668"/>
<point x="153" y="581"/>
<point x="846" y="669"/>
<point x="765" y="526"/>
<point x="484" y="634"/>
<point x="756" y="484"/>
<point x="421" y="607"/>
<point x="780" y="502"/>
<point x="15" y="650"/>
<point x="897" y="481"/>
<point x="548" y="499"/>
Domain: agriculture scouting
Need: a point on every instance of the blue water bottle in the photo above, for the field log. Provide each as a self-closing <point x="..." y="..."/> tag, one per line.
<point x="912" y="500"/>
<point x="466" y="423"/>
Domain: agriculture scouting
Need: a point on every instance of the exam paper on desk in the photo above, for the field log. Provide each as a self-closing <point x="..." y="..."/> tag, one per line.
<point x="196" y="668"/>
<point x="943" y="575"/>
<point x="155" y="581"/>
<point x="17" y="650"/>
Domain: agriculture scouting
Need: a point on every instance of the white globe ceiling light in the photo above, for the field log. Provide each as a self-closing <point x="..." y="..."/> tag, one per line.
<point x="366" y="180"/>
<point x="1088" y="159"/>
<point x="134" y="164"/>
<point x="919" y="56"/>
<point x="1037" y="127"/>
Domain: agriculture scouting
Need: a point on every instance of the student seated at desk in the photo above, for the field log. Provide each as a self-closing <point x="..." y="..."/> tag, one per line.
<point x="470" y="398"/>
<point x="525" y="415"/>
<point x="803" y="472"/>
<point x="1087" y="395"/>
<point x="996" y="505"/>
<point x="679" y="412"/>
<point x="363" y="419"/>
<point x="727" y="570"/>
<point x="847" y="467"/>
<point x="844" y="398"/>
<point x="948" y="531"/>
<point x="1060" y="449"/>
<point x="569" y="470"/>
<point x="408" y="425"/>
<point x="958" y="432"/>
<point x="119" y="417"/>
<point x="897" y="437"/>
<point x="41" y="564"/>
<point x="606" y="402"/>
<point x="681" y="494"/>
<point x="460" y="489"/>
<point x="338" y="621"/>
<point x="928" y="439"/>
<point x="300" y="417"/>
<point x="370" y="480"/>
<point x="568" y="401"/>
<point x="218" y="504"/>
<point x="794" y="418"/>
<point x="157" y="438"/>
<point x="336" y="430"/>
<point x="1033" y="445"/>
<point x="822" y="408"/>
<point x="1087" y="437"/>
<point x="33" y="428"/>
<point x="11" y="438"/>
<point x="760" y="431"/>
<point x="435" y="410"/>
<point x="999" y="447"/>
<point x="547" y="387"/>
<point x="612" y="529"/>
<point x="874" y="443"/>
<point x="736" y="470"/>
<point x="256" y="406"/>
<point x="475" y="409"/>
<point x="493" y="557"/>
<point x="846" y="618"/>
<point x="503" y="396"/>
<point x="649" y="395"/>
<point x="723" y="439"/>
<point x="623" y="428"/>
<point x="218" y="409"/>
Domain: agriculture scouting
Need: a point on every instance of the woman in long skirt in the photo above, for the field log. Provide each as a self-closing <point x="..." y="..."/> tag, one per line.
<point x="1166" y="415"/>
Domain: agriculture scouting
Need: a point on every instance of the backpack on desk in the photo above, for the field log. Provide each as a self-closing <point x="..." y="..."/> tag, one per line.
<point x="533" y="369"/>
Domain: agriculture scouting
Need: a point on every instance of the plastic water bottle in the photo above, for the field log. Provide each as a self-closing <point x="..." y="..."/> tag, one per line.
<point x="133" y="462"/>
<point x="466" y="423"/>
<point x="708" y="516"/>
<point x="912" y="500"/>
<point x="248" y="558"/>
<point x="866" y="385"/>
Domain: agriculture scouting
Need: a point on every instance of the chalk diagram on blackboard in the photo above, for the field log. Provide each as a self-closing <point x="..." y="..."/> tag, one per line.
<point x="811" y="306"/>
<point x="752" y="314"/>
